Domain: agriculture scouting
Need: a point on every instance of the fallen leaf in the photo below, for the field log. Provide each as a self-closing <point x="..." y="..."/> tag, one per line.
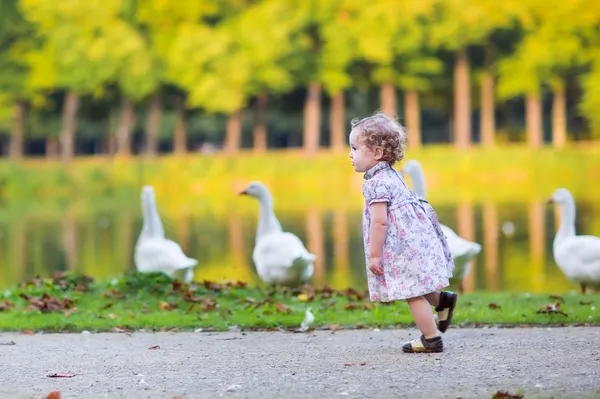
<point x="351" y="306"/>
<point x="9" y="343"/>
<point x="27" y="332"/>
<point x="494" y="306"/>
<point x="119" y="330"/>
<point x="69" y="312"/>
<point x="355" y="364"/>
<point x="506" y="395"/>
<point x="165" y="305"/>
<point x="154" y="347"/>
<point x="208" y="305"/>
<point x="61" y="375"/>
<point x="6" y="305"/>
<point x="582" y="302"/>
<point x="281" y="308"/>
<point x="53" y="395"/>
<point x="111" y="316"/>
<point x="551" y="308"/>
<point x="334" y="327"/>
<point x="108" y="305"/>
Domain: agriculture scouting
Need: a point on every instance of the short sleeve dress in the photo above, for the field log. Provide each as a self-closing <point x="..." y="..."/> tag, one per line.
<point x="416" y="259"/>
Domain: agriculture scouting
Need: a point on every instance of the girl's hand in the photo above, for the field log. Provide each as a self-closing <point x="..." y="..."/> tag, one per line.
<point x="375" y="266"/>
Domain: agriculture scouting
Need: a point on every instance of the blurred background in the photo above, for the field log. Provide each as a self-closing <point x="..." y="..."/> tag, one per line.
<point x="199" y="97"/>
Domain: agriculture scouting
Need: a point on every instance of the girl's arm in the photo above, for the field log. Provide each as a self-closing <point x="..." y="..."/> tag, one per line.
<point x="378" y="228"/>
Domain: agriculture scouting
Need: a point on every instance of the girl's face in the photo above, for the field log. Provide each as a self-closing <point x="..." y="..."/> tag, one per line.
<point x="362" y="157"/>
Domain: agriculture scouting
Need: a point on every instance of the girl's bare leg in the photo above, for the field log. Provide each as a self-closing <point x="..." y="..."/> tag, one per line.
<point x="423" y="315"/>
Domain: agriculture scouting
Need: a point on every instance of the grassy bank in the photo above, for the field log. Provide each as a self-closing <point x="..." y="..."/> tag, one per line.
<point x="153" y="302"/>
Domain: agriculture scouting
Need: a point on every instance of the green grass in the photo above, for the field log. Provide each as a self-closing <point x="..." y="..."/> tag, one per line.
<point x="153" y="302"/>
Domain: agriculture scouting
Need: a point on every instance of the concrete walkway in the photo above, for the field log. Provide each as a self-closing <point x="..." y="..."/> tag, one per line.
<point x="559" y="362"/>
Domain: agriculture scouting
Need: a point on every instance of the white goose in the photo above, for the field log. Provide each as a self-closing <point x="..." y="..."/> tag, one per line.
<point x="577" y="256"/>
<point x="280" y="257"/>
<point x="462" y="250"/>
<point x="153" y="252"/>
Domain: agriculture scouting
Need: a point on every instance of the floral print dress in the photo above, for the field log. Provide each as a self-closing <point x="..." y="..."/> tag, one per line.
<point x="416" y="259"/>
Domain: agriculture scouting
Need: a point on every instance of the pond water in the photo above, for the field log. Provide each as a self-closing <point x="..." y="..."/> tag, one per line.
<point x="516" y="239"/>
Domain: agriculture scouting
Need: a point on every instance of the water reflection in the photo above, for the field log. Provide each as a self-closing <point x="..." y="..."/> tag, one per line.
<point x="516" y="259"/>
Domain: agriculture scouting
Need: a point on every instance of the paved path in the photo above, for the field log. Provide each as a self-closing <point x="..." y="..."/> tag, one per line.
<point x="564" y="362"/>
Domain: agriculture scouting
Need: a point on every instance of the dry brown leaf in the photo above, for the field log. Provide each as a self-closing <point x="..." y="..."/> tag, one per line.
<point x="53" y="395"/>
<point x="166" y="305"/>
<point x="282" y="308"/>
<point x="119" y="330"/>
<point x="27" y="332"/>
<point x="6" y="305"/>
<point x="208" y="305"/>
<point x="506" y="395"/>
<point x="351" y="306"/>
<point x="153" y="347"/>
<point x="69" y="312"/>
<point x="494" y="306"/>
<point x="552" y="308"/>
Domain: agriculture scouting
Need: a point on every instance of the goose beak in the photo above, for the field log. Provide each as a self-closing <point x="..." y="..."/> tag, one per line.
<point x="549" y="201"/>
<point x="243" y="192"/>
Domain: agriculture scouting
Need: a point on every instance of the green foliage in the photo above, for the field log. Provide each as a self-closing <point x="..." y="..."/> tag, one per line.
<point x="222" y="53"/>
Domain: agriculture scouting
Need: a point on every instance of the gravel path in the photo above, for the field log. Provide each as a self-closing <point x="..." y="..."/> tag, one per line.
<point x="563" y="362"/>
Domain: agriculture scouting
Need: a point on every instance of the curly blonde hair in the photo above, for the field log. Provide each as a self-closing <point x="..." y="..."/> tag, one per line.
<point x="379" y="130"/>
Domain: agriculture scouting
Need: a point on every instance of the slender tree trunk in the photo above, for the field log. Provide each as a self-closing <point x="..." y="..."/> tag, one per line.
<point x="533" y="116"/>
<point x="462" y="101"/>
<point x="233" y="132"/>
<point x="487" y="101"/>
<point x="16" y="138"/>
<point x="69" y="126"/>
<point x="336" y="122"/>
<point x="559" y="118"/>
<point x="413" y="118"/>
<point x="387" y="99"/>
<point x="259" y="131"/>
<point x="180" y="133"/>
<point x="52" y="147"/>
<point x="153" y="126"/>
<point x="124" y="128"/>
<point x="312" y="119"/>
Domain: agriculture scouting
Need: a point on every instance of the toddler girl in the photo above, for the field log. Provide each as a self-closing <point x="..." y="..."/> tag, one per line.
<point x="406" y="252"/>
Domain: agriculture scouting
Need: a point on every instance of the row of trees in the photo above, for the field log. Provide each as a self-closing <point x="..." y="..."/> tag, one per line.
<point x="222" y="56"/>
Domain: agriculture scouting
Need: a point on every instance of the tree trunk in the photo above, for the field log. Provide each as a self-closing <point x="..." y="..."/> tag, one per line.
<point x="16" y="138"/>
<point x="126" y="124"/>
<point x="153" y="126"/>
<point x="413" y="118"/>
<point x="462" y="101"/>
<point x="336" y="123"/>
<point x="487" y="101"/>
<point x="259" y="131"/>
<point x="559" y="118"/>
<point x="51" y="147"/>
<point x="387" y="99"/>
<point x="233" y="132"/>
<point x="180" y="133"/>
<point x="312" y="119"/>
<point x="69" y="126"/>
<point x="533" y="120"/>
